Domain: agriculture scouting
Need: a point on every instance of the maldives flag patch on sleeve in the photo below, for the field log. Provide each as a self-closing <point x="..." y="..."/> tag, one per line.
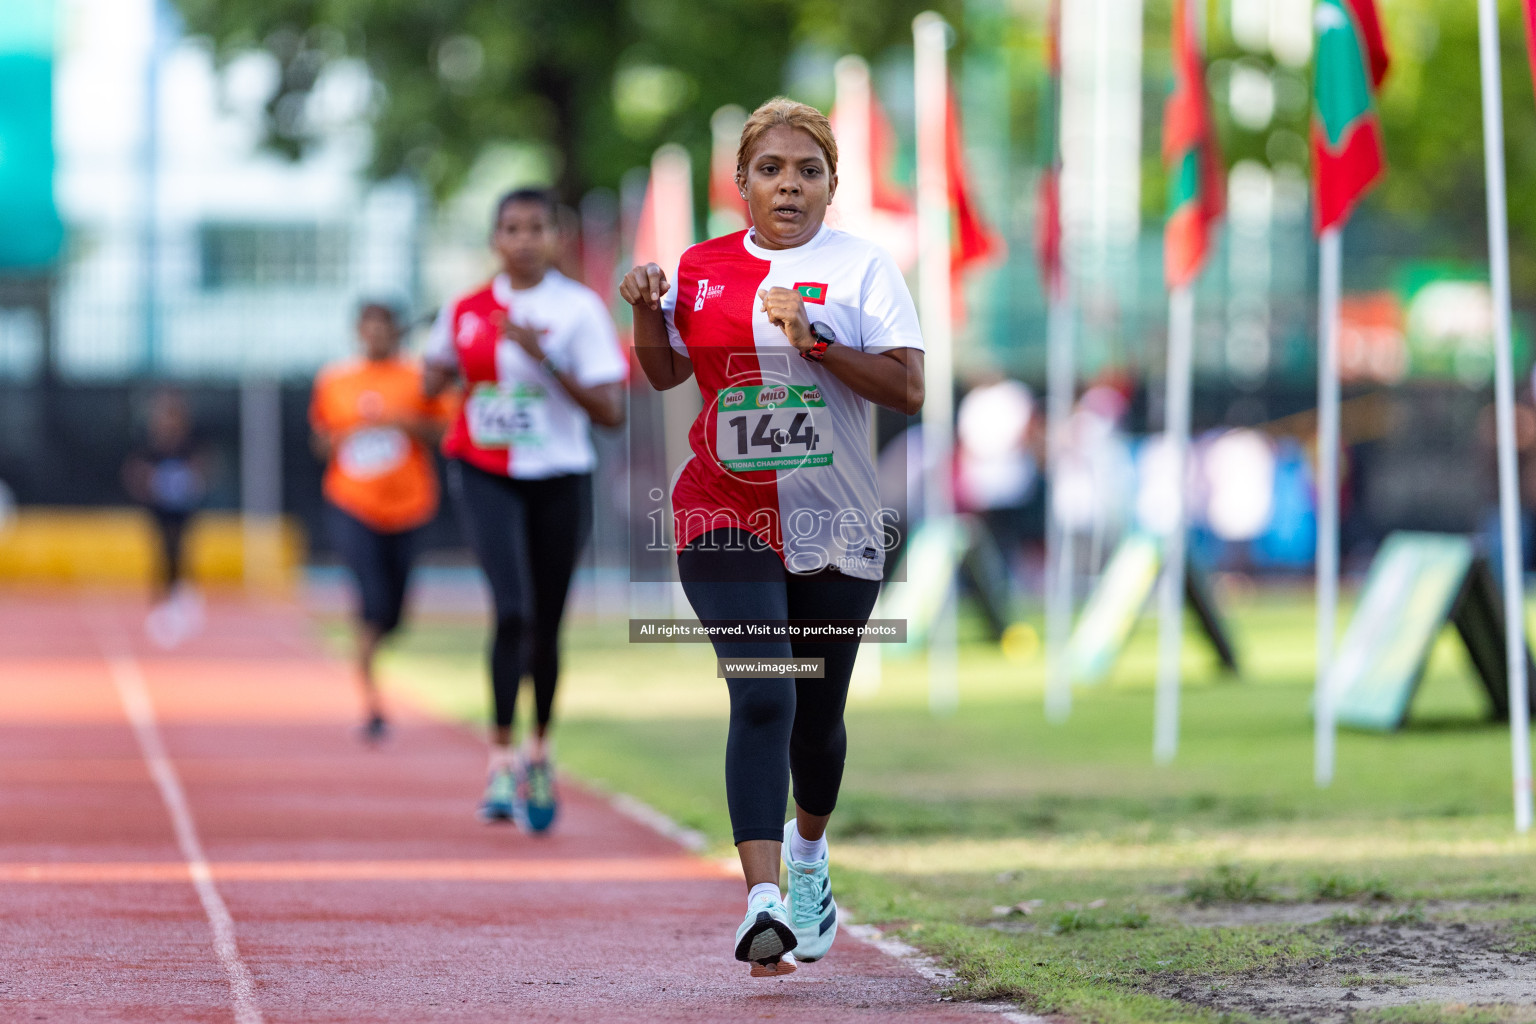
<point x="812" y="291"/>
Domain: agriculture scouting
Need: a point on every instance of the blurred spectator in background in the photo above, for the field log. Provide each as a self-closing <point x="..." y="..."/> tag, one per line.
<point x="168" y="475"/>
<point x="1239" y="470"/>
<point x="1525" y="445"/>
<point x="1095" y="493"/>
<point x="899" y="471"/>
<point x="7" y="506"/>
<point x="373" y="427"/>
<point x="1289" y="542"/>
<point x="997" y="472"/>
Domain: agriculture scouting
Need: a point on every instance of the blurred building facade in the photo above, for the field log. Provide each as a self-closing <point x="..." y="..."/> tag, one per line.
<point x="190" y="253"/>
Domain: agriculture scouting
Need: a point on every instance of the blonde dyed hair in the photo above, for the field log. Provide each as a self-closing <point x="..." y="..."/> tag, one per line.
<point x="781" y="110"/>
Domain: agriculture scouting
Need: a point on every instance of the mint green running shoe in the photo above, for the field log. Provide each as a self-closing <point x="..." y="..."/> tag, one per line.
<point x="765" y="936"/>
<point x="812" y="910"/>
<point x="500" y="800"/>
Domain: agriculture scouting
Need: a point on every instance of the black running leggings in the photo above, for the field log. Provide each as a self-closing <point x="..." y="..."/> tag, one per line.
<point x="780" y="729"/>
<point x="380" y="564"/>
<point x="171" y="526"/>
<point x="527" y="535"/>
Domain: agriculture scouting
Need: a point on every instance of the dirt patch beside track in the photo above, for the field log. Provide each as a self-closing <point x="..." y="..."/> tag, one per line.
<point x="1384" y="963"/>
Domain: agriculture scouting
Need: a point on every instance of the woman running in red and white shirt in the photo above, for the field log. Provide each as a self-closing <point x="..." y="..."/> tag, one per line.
<point x="540" y="362"/>
<point x="792" y="330"/>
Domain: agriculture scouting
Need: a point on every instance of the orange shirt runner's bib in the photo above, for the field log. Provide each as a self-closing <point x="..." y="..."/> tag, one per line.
<point x="378" y="472"/>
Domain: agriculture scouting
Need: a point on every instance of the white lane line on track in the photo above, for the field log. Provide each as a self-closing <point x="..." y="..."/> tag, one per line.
<point x="128" y="677"/>
<point x="930" y="968"/>
<point x="651" y="818"/>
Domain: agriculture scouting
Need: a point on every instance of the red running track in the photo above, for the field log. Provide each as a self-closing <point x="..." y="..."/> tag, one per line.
<point x="358" y="886"/>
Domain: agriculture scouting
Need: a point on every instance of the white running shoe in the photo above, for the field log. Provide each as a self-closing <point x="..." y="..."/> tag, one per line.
<point x="176" y="619"/>
<point x="812" y="910"/>
<point x="765" y="936"/>
<point x="191" y="609"/>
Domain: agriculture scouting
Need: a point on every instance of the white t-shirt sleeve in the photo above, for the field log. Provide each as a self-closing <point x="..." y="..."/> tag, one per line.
<point x="887" y="316"/>
<point x="669" y="315"/>
<point x="596" y="356"/>
<point x="439" y="349"/>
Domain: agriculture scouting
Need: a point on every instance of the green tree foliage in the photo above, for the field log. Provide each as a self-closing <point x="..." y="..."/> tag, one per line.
<point x="1432" y="195"/>
<point x="1431" y="110"/>
<point x="602" y="83"/>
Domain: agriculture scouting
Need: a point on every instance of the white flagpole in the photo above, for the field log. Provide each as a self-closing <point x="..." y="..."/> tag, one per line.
<point x="724" y="130"/>
<point x="671" y="232"/>
<point x="1170" y="619"/>
<point x="1060" y="557"/>
<point x="1061" y="389"/>
<point x="856" y="167"/>
<point x="853" y="124"/>
<point x="1504" y="396"/>
<point x="1330" y="280"/>
<point x="930" y="37"/>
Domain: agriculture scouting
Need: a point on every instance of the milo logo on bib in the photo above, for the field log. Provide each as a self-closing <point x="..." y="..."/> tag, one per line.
<point x="810" y="396"/>
<point x="769" y="397"/>
<point x="731" y="399"/>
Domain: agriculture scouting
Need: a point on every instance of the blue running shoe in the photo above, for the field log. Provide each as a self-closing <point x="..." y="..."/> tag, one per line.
<point x="537" y="790"/>
<point x="499" y="802"/>
<point x="812" y="910"/>
<point x="375" y="730"/>
<point x="765" y="936"/>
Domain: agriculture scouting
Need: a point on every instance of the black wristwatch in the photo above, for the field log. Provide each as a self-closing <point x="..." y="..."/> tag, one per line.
<point x="824" y="339"/>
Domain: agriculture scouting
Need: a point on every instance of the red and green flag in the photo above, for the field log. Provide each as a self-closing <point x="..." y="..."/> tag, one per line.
<point x="972" y="240"/>
<point x="1195" y="194"/>
<point x="1048" y="197"/>
<point x="1347" y="152"/>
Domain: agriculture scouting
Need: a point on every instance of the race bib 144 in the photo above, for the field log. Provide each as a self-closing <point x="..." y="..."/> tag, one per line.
<point x="772" y="426"/>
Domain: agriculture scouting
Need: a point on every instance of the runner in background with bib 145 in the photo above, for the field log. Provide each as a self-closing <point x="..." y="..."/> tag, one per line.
<point x="540" y="363"/>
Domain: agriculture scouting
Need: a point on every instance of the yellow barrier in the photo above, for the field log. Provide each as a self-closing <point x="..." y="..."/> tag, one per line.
<point x="118" y="546"/>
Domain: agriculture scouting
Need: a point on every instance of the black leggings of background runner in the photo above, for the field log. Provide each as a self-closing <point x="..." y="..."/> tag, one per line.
<point x="380" y="563"/>
<point x="780" y="728"/>
<point x="171" y="527"/>
<point x="527" y="535"/>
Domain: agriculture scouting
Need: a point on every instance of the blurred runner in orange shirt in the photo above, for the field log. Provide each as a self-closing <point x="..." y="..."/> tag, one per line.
<point x="375" y="431"/>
